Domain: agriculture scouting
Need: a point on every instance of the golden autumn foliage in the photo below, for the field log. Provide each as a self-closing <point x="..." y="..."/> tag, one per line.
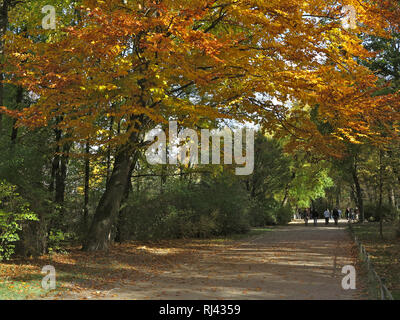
<point x="269" y="62"/>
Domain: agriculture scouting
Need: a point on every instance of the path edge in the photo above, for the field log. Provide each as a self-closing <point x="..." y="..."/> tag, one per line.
<point x="385" y="294"/>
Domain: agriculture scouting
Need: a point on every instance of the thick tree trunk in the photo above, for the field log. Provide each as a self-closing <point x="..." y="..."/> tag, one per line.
<point x="99" y="235"/>
<point x="123" y="209"/>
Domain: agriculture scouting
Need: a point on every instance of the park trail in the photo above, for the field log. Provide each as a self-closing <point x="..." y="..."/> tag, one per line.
<point x="290" y="262"/>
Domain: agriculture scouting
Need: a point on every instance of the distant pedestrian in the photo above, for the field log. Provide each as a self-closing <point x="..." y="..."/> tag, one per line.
<point x="351" y="214"/>
<point x="335" y="215"/>
<point x="315" y="216"/>
<point x="327" y="215"/>
<point x="357" y="214"/>
<point x="347" y="213"/>
<point x="305" y="216"/>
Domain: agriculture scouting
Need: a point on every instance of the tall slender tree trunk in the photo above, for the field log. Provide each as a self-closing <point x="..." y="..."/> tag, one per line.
<point x="14" y="129"/>
<point x="338" y="194"/>
<point x="87" y="186"/>
<point x="61" y="177"/>
<point x="391" y="197"/>
<point x="397" y="174"/>
<point x="358" y="191"/>
<point x="380" y="193"/>
<point x="163" y="179"/>
<point x="59" y="168"/>
<point x="287" y="187"/>
<point x="3" y="28"/>
<point x="285" y="198"/>
<point x="55" y="165"/>
<point x="109" y="150"/>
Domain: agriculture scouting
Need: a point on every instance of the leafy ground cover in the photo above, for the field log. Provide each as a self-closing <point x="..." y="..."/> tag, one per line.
<point x="384" y="253"/>
<point x="123" y="264"/>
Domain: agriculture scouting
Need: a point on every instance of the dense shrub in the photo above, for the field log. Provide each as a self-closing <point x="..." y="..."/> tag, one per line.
<point x="372" y="212"/>
<point x="186" y="209"/>
<point x="284" y="215"/>
<point x="262" y="213"/>
<point x="57" y="240"/>
<point x="14" y="212"/>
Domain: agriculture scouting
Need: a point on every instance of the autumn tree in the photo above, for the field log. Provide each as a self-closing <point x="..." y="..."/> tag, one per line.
<point x="142" y="63"/>
<point x="5" y="7"/>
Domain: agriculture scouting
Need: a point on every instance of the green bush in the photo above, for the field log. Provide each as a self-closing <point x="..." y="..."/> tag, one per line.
<point x="228" y="203"/>
<point x="261" y="213"/>
<point x="14" y="212"/>
<point x="205" y="209"/>
<point x="284" y="215"/>
<point x="372" y="212"/>
<point x="57" y="240"/>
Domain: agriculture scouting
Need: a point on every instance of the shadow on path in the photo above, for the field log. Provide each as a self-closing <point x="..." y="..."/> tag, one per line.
<point x="292" y="262"/>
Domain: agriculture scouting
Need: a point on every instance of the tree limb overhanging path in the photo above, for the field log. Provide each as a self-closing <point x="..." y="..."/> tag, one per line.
<point x="291" y="262"/>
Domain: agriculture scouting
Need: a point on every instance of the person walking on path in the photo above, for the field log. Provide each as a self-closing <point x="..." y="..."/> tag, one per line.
<point x="335" y="216"/>
<point x="357" y="214"/>
<point x="305" y="216"/>
<point x="315" y="216"/>
<point x="347" y="213"/>
<point x="351" y="215"/>
<point x="327" y="215"/>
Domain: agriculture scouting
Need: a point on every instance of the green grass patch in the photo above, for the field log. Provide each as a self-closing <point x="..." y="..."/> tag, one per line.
<point x="22" y="279"/>
<point x="10" y="290"/>
<point x="20" y="282"/>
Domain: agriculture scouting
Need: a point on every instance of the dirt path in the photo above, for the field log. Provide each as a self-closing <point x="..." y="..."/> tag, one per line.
<point x="293" y="262"/>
